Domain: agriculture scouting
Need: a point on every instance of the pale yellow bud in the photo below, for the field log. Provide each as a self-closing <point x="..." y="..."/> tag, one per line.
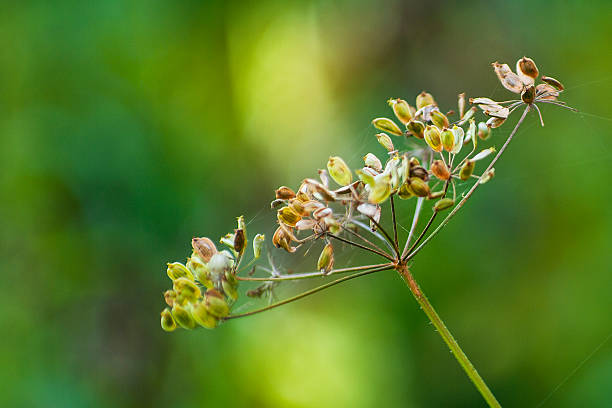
<point x="432" y="138"/>
<point x="401" y="110"/>
<point x="167" y="321"/>
<point x="326" y="259"/>
<point x="178" y="270"/>
<point x="385" y="141"/>
<point x="387" y="125"/>
<point x="416" y="128"/>
<point x="339" y="171"/>
<point x="439" y="119"/>
<point x="372" y="161"/>
<point x="423" y="99"/>
<point x="448" y="139"/>
<point x="183" y="317"/>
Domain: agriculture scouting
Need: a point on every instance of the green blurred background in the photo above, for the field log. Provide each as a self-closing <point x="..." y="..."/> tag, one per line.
<point x="126" y="128"/>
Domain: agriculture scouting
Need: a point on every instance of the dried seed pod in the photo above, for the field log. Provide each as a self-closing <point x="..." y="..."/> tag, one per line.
<point x="553" y="82"/>
<point x="284" y="193"/>
<point x="385" y="141"/>
<point x="416" y="128"/>
<point x="439" y="119"/>
<point x="527" y="70"/>
<point x="230" y="286"/>
<point x="319" y="190"/>
<point x="495" y="122"/>
<point x="405" y="192"/>
<point x="178" y="270"/>
<point x="305" y="224"/>
<point x="258" y="243"/>
<point x="321" y="213"/>
<point x="468" y="115"/>
<point x="186" y="290"/>
<point x="443" y="204"/>
<point x="202" y="316"/>
<point x="483" y="153"/>
<point x="339" y="171"/>
<point x="461" y="104"/>
<point x="282" y="239"/>
<point x="326" y="259"/>
<point x="432" y="138"/>
<point x="440" y="170"/>
<point x="420" y="172"/>
<point x="298" y="206"/>
<point x="323" y="177"/>
<point x="381" y="188"/>
<point x="508" y="79"/>
<point x="436" y="194"/>
<point x="487" y="176"/>
<point x="424" y="99"/>
<point x="466" y="170"/>
<point x="277" y="203"/>
<point x="372" y="161"/>
<point x="170" y="297"/>
<point x="167" y="321"/>
<point x="528" y="95"/>
<point x="204" y="248"/>
<point x="547" y="92"/>
<point x="419" y="187"/>
<point x="369" y="210"/>
<point x="310" y="206"/>
<point x="448" y="139"/>
<point x="387" y="125"/>
<point x="288" y="216"/>
<point x="401" y="109"/>
<point x="183" y="317"/>
<point x="240" y="241"/>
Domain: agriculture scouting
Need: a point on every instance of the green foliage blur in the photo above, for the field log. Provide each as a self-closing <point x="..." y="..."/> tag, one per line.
<point x="127" y="128"/>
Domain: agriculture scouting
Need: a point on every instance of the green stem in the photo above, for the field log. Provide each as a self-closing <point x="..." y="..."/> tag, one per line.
<point x="447" y="336"/>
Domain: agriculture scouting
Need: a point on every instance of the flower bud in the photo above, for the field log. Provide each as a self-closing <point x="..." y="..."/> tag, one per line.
<point x="528" y="95"/>
<point x="288" y="216"/>
<point x="432" y="138"/>
<point x="200" y="270"/>
<point x="387" y="125"/>
<point x="186" y="290"/>
<point x="381" y="189"/>
<point x="339" y="171"/>
<point x="385" y="141"/>
<point x="258" y="243"/>
<point x="494" y="122"/>
<point x="487" y="176"/>
<point x="423" y="99"/>
<point x="326" y="259"/>
<point x="372" y="161"/>
<point x="483" y="153"/>
<point x="167" y="321"/>
<point x="203" y="317"/>
<point x="230" y="285"/>
<point x="405" y="192"/>
<point x="204" y="248"/>
<point x="443" y="204"/>
<point x="178" y="270"/>
<point x="216" y="305"/>
<point x="419" y="187"/>
<point x="284" y="193"/>
<point x="466" y="170"/>
<point x="483" y="132"/>
<point x="459" y="134"/>
<point x="440" y="170"/>
<point x="170" y="297"/>
<point x="183" y="317"/>
<point x="401" y="109"/>
<point x="439" y="119"/>
<point x="436" y="194"/>
<point x="416" y="128"/>
<point x="448" y="139"/>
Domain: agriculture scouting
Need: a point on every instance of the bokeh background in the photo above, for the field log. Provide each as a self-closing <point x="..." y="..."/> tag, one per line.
<point x="126" y="128"/>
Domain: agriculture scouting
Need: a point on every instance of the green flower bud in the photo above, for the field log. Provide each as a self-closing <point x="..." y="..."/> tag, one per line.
<point x="178" y="270"/>
<point x="230" y="286"/>
<point x="483" y="132"/>
<point x="487" y="176"/>
<point x="186" y="290"/>
<point x="443" y="204"/>
<point x="202" y="316"/>
<point x="483" y="153"/>
<point x="458" y="134"/>
<point x="381" y="189"/>
<point x="183" y="317"/>
<point x="339" y="171"/>
<point x="200" y="270"/>
<point x="258" y="242"/>
<point x="216" y="305"/>
<point x="416" y="128"/>
<point x="420" y="172"/>
<point x="440" y="170"/>
<point x="436" y="194"/>
<point x="385" y="141"/>
<point x="167" y="321"/>
<point x="432" y="138"/>
<point x="419" y="187"/>
<point x="405" y="192"/>
<point x="288" y="216"/>
<point x="326" y="259"/>
<point x="372" y="161"/>
<point x="448" y="139"/>
<point x="387" y="125"/>
<point x="401" y="109"/>
<point x="466" y="170"/>
<point x="423" y="99"/>
<point x="439" y="119"/>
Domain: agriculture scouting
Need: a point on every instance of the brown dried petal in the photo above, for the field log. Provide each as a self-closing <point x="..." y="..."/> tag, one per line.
<point x="547" y="92"/>
<point x="508" y="79"/>
<point x="527" y="70"/>
<point x="553" y="82"/>
<point x="305" y="224"/>
<point x="322" y="213"/>
<point x="284" y="193"/>
<point x="204" y="248"/>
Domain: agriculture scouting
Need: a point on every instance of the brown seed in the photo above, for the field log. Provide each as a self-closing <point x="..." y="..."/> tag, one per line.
<point x="440" y="170"/>
<point x="528" y="95"/>
<point x="525" y="67"/>
<point x="284" y="193"/>
<point x="204" y="248"/>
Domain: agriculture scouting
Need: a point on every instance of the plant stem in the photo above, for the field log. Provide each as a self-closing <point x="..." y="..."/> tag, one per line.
<point x="447" y="336"/>
<point x="471" y="191"/>
<point x="310" y="292"/>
